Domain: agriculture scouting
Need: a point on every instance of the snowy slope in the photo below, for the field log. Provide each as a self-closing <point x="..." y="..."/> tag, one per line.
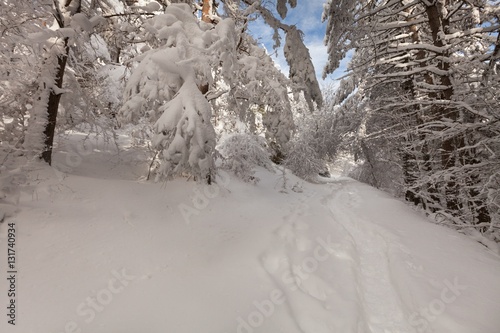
<point x="101" y="251"/>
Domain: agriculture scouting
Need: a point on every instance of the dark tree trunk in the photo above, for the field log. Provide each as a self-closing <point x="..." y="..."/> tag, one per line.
<point x="53" y="106"/>
<point x="413" y="168"/>
<point x="54" y="98"/>
<point x="450" y="144"/>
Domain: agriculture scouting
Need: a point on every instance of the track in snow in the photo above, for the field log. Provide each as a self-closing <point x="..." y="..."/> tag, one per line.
<point x="334" y="267"/>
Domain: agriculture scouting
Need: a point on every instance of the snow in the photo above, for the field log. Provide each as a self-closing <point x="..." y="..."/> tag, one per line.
<point x="41" y="36"/>
<point x="81" y="21"/>
<point x="100" y="250"/>
<point x="152" y="7"/>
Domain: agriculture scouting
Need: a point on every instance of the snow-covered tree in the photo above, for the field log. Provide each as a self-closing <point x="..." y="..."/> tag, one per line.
<point x="425" y="69"/>
<point x="43" y="42"/>
<point x="166" y="87"/>
<point x="68" y="27"/>
<point x="187" y="62"/>
<point x="297" y="55"/>
<point x="43" y="115"/>
<point x="18" y="20"/>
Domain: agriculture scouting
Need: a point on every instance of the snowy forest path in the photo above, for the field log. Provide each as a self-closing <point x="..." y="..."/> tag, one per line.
<point x="101" y="156"/>
<point x="382" y="305"/>
<point x="335" y="257"/>
<point x="333" y="266"/>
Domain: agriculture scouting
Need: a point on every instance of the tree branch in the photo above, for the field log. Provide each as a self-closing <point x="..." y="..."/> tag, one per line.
<point x="128" y="14"/>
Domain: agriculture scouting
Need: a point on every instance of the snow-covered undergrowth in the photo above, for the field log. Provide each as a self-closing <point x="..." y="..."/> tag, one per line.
<point x="99" y="250"/>
<point x="241" y="153"/>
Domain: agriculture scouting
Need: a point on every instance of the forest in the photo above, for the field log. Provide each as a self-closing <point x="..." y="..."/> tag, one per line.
<point x="417" y="112"/>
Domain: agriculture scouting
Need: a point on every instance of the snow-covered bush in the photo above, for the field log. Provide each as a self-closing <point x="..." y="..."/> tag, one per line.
<point x="257" y="96"/>
<point x="322" y="135"/>
<point x="17" y="82"/>
<point x="13" y="176"/>
<point x="383" y="175"/>
<point x="241" y="153"/>
<point x="302" y="159"/>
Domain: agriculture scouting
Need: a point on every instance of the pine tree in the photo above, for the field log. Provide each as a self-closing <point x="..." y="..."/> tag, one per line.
<point x="422" y="65"/>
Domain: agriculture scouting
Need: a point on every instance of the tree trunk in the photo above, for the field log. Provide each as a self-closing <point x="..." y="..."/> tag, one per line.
<point x="440" y="25"/>
<point x="413" y="168"/>
<point x="54" y="98"/>
<point x="207" y="11"/>
<point x="53" y="106"/>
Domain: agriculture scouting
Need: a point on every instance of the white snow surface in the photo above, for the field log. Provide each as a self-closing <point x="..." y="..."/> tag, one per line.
<point x="101" y="251"/>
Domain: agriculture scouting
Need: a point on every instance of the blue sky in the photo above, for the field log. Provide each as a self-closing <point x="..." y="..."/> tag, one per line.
<point x="307" y="17"/>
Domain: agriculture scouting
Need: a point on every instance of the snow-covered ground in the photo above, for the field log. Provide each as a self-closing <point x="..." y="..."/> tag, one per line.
<point x="100" y="250"/>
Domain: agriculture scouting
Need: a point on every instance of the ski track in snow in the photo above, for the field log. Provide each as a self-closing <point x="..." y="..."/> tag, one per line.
<point x="351" y="290"/>
<point x="381" y="302"/>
